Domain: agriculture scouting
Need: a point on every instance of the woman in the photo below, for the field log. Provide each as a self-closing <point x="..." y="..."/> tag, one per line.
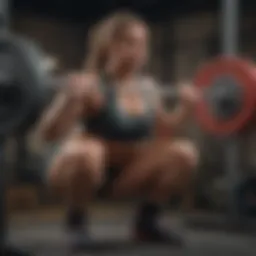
<point x="124" y="129"/>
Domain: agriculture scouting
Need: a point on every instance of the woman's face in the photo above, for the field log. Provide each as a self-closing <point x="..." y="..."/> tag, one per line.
<point x="131" y="49"/>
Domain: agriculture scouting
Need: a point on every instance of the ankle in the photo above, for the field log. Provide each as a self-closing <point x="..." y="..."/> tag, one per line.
<point x="76" y="218"/>
<point x="148" y="215"/>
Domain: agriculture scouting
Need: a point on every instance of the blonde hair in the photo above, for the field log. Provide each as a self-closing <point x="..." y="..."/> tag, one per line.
<point x="103" y="33"/>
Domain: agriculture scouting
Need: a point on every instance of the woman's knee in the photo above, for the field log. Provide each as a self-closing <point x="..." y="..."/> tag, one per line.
<point x="65" y="166"/>
<point x="94" y="156"/>
<point x="186" y="154"/>
<point x="80" y="162"/>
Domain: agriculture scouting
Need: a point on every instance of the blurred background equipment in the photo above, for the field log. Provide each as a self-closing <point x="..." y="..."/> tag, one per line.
<point x="231" y="147"/>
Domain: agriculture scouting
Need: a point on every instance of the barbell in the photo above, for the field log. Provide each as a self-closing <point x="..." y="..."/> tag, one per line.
<point x="227" y="85"/>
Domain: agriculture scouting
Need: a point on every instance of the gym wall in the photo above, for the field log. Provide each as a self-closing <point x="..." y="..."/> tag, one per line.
<point x="63" y="40"/>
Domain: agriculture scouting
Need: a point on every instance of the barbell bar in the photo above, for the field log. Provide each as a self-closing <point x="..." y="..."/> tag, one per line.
<point x="227" y="86"/>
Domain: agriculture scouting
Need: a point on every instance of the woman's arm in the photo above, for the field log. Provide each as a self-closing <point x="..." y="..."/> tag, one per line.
<point x="66" y="108"/>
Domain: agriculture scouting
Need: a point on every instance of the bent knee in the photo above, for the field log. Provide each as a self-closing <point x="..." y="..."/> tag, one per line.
<point x="88" y="153"/>
<point x="81" y="162"/>
<point x="185" y="152"/>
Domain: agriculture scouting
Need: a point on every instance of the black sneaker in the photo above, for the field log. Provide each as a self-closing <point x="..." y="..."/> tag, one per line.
<point x="78" y="239"/>
<point x="158" y="235"/>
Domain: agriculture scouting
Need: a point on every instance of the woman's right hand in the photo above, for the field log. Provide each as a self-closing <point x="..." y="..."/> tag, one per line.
<point x="79" y="86"/>
<point x="67" y="107"/>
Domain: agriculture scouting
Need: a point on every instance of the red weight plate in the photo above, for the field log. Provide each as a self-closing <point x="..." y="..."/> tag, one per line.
<point x="242" y="72"/>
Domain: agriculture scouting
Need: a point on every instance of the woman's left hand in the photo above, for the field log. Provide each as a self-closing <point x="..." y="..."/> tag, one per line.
<point x="189" y="95"/>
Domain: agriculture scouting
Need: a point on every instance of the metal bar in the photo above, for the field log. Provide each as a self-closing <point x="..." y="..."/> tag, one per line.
<point x="232" y="152"/>
<point x="231" y="145"/>
<point x="4" y="22"/>
<point x="2" y="197"/>
<point x="4" y="14"/>
<point x="230" y="23"/>
<point x="58" y="82"/>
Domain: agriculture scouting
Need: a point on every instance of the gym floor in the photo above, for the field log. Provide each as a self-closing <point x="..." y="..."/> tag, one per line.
<point x="41" y="232"/>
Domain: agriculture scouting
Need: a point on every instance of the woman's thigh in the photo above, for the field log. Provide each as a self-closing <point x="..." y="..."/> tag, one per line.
<point x="153" y="160"/>
<point x="82" y="154"/>
<point x="143" y="167"/>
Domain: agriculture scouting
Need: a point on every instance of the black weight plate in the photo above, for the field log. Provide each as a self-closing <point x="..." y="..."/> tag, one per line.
<point x="41" y="89"/>
<point x="27" y="82"/>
